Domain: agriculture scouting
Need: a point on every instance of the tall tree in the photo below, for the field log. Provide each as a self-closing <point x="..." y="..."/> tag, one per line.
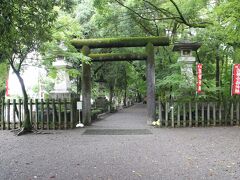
<point x="24" y="25"/>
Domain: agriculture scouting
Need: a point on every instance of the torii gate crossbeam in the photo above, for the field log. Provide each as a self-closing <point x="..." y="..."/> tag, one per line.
<point x="117" y="57"/>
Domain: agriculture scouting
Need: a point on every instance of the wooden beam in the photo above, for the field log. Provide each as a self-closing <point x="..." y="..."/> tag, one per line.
<point x="120" y="42"/>
<point x="117" y="57"/>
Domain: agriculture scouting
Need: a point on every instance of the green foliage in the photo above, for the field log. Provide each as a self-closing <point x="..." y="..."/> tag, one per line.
<point x="228" y="14"/>
<point x="171" y="83"/>
<point x="218" y="34"/>
<point x="3" y="77"/>
<point x="63" y="30"/>
<point x="136" y="78"/>
<point x="85" y="16"/>
<point x="24" y="25"/>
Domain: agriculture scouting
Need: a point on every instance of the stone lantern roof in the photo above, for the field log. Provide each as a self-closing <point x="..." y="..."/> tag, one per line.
<point x="186" y="45"/>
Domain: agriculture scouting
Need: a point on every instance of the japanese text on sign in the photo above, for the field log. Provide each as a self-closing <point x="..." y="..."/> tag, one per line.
<point x="236" y="79"/>
<point x="199" y="78"/>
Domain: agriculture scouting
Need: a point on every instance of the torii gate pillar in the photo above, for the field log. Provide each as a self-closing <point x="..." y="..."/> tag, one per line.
<point x="86" y="88"/>
<point x="151" y="103"/>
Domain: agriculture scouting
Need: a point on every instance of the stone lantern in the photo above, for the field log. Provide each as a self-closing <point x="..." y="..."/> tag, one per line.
<point x="62" y="85"/>
<point x="186" y="58"/>
<point x="101" y="101"/>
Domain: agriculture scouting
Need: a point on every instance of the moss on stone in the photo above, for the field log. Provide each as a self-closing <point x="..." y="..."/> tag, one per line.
<point x="85" y="50"/>
<point x="120" y="42"/>
<point x="117" y="57"/>
<point x="149" y="48"/>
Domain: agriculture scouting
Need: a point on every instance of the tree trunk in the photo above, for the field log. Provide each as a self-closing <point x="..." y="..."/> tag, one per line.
<point x="111" y="97"/>
<point x="2" y="93"/>
<point x="79" y="86"/>
<point x="139" y="97"/>
<point x="125" y="97"/>
<point x="27" y="125"/>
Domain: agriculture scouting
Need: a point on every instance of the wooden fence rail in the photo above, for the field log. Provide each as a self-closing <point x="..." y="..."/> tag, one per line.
<point x="197" y="114"/>
<point x="44" y="114"/>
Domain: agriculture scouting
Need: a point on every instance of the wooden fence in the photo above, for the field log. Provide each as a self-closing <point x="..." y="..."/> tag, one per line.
<point x="44" y="114"/>
<point x="194" y="114"/>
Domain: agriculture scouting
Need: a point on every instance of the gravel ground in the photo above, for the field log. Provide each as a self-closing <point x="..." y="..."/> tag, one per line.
<point x="184" y="153"/>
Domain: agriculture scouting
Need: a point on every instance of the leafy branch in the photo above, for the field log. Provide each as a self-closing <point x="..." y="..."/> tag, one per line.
<point x="167" y="15"/>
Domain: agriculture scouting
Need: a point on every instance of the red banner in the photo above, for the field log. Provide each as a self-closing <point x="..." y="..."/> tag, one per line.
<point x="199" y="78"/>
<point x="7" y="88"/>
<point x="236" y="79"/>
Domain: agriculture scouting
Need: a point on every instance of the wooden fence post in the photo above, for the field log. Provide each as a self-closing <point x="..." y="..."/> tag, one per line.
<point x="225" y="108"/>
<point x="8" y="114"/>
<point x="178" y="116"/>
<point x="31" y="110"/>
<point x="20" y="112"/>
<point x="2" y="115"/>
<point x="190" y="114"/>
<point x="160" y="112"/>
<point x="14" y="111"/>
<point x="172" y="115"/>
<point x="202" y="114"/>
<point x="53" y="113"/>
<point x="74" y="112"/>
<point x="231" y="118"/>
<point x="59" y="114"/>
<point x="220" y="113"/>
<point x="42" y="114"/>
<point x="196" y="114"/>
<point x="48" y="114"/>
<point x="208" y="114"/>
<point x="214" y="114"/>
<point x="184" y="115"/>
<point x="71" y="112"/>
<point x="237" y="113"/>
<point x="65" y="114"/>
<point x="166" y="114"/>
<point x="37" y="113"/>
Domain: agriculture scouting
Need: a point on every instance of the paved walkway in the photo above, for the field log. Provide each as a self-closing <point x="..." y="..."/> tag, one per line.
<point x="133" y="117"/>
<point x="167" y="154"/>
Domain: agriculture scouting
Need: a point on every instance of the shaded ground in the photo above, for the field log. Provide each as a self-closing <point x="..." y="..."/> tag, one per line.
<point x="185" y="153"/>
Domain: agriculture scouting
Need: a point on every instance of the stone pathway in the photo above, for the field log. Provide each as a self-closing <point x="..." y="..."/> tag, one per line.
<point x="163" y="154"/>
<point x="133" y="117"/>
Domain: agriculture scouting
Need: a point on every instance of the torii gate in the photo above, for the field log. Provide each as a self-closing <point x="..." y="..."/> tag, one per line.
<point x="148" y="42"/>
